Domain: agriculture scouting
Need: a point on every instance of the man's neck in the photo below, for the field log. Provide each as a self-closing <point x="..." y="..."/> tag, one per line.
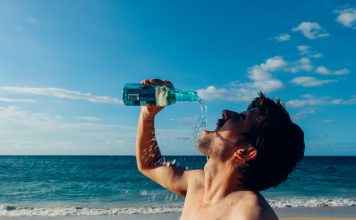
<point x="221" y="179"/>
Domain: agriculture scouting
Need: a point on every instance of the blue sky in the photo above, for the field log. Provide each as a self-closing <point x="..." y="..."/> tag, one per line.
<point x="63" y="65"/>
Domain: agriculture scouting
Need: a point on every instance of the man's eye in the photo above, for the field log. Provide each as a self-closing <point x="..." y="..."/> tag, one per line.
<point x="253" y="109"/>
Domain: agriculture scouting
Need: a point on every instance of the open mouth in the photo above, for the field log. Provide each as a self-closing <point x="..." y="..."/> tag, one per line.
<point x="220" y="123"/>
<point x="223" y="120"/>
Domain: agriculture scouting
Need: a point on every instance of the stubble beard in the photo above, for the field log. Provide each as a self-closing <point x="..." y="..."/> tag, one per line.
<point x="210" y="148"/>
<point x="204" y="145"/>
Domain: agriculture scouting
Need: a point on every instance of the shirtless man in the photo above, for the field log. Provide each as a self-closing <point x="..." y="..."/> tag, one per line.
<point x="248" y="152"/>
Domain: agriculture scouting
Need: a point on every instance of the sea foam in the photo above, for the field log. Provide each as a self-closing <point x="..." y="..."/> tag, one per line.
<point x="11" y="210"/>
<point x="18" y="210"/>
<point x="312" y="202"/>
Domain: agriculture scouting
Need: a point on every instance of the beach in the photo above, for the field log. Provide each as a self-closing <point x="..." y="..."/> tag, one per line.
<point x="321" y="213"/>
<point x="151" y="217"/>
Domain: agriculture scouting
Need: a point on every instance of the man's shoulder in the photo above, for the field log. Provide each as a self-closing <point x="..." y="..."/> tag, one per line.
<point x="253" y="206"/>
<point x="246" y="200"/>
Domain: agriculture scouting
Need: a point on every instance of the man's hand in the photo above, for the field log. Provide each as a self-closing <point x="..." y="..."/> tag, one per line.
<point x="151" y="110"/>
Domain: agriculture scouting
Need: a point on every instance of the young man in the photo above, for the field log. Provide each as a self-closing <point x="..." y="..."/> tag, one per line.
<point x="248" y="152"/>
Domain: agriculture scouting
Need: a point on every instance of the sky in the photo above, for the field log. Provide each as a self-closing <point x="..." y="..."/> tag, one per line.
<point x="63" y="65"/>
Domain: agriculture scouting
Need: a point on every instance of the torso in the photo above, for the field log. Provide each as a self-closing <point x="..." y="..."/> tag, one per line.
<point x="246" y="205"/>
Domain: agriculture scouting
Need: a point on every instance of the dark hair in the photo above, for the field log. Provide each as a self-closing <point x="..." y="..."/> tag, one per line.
<point x="279" y="144"/>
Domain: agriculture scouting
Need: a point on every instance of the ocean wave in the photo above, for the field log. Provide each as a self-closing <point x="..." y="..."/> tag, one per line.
<point x="312" y="202"/>
<point x="19" y="210"/>
<point x="12" y="210"/>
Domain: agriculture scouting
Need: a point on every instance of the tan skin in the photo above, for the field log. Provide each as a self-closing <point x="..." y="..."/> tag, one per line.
<point x="217" y="192"/>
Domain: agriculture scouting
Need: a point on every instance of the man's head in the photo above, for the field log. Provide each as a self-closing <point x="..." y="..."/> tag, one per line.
<point x="263" y="141"/>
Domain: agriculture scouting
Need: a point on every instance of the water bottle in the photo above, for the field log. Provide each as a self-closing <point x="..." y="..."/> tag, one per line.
<point x="136" y="94"/>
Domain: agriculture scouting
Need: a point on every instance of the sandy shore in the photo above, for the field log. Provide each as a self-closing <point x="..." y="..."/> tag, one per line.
<point x="150" y="217"/>
<point x="324" y="213"/>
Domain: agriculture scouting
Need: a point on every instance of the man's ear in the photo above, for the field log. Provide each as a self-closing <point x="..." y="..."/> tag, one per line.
<point x="246" y="153"/>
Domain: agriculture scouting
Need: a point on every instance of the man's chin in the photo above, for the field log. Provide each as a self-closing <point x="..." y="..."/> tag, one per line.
<point x="203" y="145"/>
<point x="203" y="151"/>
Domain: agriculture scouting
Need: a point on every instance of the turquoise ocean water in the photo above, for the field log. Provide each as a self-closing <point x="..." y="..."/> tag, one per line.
<point x="100" y="185"/>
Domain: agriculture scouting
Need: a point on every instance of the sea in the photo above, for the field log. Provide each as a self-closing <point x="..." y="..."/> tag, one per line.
<point x="111" y="185"/>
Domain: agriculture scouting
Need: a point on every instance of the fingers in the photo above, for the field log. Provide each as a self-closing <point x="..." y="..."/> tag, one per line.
<point x="168" y="83"/>
<point x="157" y="81"/>
<point x="152" y="81"/>
<point x="145" y="81"/>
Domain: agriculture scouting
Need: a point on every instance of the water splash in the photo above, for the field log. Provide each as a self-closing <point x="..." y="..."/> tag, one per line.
<point x="202" y="121"/>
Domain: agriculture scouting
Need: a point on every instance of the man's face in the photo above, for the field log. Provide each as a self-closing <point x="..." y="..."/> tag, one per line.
<point x="228" y="133"/>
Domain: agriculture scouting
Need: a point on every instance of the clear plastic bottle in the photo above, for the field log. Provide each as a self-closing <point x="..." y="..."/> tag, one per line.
<point x="136" y="94"/>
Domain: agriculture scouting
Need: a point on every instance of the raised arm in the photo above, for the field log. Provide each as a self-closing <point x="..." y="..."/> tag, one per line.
<point x="148" y="156"/>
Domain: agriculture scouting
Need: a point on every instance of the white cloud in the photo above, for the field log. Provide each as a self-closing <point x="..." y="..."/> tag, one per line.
<point x="257" y="73"/>
<point x="315" y="55"/>
<point x="309" y="100"/>
<point x="306" y="51"/>
<point x="264" y="71"/>
<point x="262" y="77"/>
<point x="211" y="92"/>
<point x="8" y="100"/>
<point x="262" y="80"/>
<point x="322" y="70"/>
<point x="311" y="30"/>
<point x="303" y="113"/>
<point x="341" y="101"/>
<point x="307" y="81"/>
<point x="283" y="37"/>
<point x="325" y="71"/>
<point x="238" y="92"/>
<point x="60" y="93"/>
<point x="244" y="92"/>
<point x="343" y="71"/>
<point x="268" y="85"/>
<point x="274" y="64"/>
<point x="26" y="132"/>
<point x="303" y="64"/>
<point x="297" y="103"/>
<point x="347" y="17"/>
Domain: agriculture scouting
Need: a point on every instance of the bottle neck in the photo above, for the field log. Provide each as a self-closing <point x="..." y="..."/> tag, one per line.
<point x="182" y="95"/>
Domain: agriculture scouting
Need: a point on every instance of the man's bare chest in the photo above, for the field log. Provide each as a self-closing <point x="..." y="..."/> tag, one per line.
<point x="195" y="209"/>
